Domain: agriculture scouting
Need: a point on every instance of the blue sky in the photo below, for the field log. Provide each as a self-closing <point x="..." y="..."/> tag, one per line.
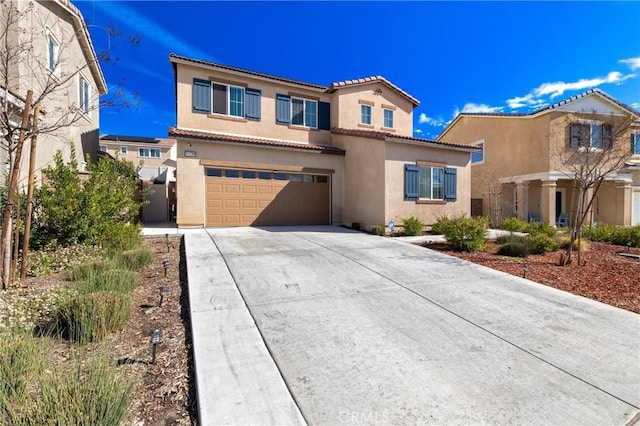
<point x="452" y="56"/>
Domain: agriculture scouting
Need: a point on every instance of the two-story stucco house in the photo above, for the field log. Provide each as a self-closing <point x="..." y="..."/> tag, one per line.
<point x="520" y="173"/>
<point x="50" y="52"/>
<point x="156" y="162"/>
<point x="258" y="149"/>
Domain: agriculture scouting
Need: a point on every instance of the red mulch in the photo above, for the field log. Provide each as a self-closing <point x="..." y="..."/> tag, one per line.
<point x="605" y="276"/>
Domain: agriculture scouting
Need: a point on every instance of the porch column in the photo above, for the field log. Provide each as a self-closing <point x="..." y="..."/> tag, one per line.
<point x="623" y="203"/>
<point x="522" y="200"/>
<point x="548" y="202"/>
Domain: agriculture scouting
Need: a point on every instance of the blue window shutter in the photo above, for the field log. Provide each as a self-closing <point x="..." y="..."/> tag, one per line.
<point x="411" y="179"/>
<point x="324" y="116"/>
<point x="283" y="109"/>
<point x="450" y="184"/>
<point x="252" y="104"/>
<point x="201" y="96"/>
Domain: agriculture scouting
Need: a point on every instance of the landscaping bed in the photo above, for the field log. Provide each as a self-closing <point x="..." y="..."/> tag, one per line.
<point x="606" y="276"/>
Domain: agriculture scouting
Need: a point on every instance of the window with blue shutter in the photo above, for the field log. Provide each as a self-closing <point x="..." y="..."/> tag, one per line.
<point x="252" y="104"/>
<point x="450" y="184"/>
<point x="283" y="109"/>
<point x="324" y="116"/>
<point x="411" y="179"/>
<point x="201" y="96"/>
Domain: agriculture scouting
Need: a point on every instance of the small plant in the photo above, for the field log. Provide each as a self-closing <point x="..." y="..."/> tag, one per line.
<point x="20" y="360"/>
<point x="541" y="228"/>
<point x="564" y="241"/>
<point x="514" y="249"/>
<point x="119" y="237"/>
<point x="88" y="270"/>
<point x="540" y="243"/>
<point x="91" y="317"/>
<point x="412" y="225"/>
<point x="355" y="226"/>
<point x="514" y="224"/>
<point x="113" y="280"/>
<point x="441" y="223"/>
<point x="377" y="230"/>
<point x="463" y="233"/>
<point x="135" y="259"/>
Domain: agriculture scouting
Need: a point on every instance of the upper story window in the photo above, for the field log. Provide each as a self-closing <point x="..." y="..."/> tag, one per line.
<point x="591" y="135"/>
<point x="53" y="52"/>
<point x="478" y="157"/>
<point x="302" y="112"/>
<point x="149" y="152"/>
<point x="123" y="150"/>
<point x="226" y="99"/>
<point x="84" y="95"/>
<point x="365" y="114"/>
<point x="388" y="118"/>
<point x="102" y="148"/>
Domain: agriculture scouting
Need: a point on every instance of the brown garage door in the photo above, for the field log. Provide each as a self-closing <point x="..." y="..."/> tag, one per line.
<point x="251" y="197"/>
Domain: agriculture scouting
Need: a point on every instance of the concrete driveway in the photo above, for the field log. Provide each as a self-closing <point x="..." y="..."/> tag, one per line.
<point x="365" y="330"/>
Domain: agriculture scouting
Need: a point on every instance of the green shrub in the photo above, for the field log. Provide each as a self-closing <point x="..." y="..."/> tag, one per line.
<point x="514" y="249"/>
<point x="118" y="237"/>
<point x="88" y="270"/>
<point x="514" y="224"/>
<point x="564" y="240"/>
<point x="441" y="223"/>
<point x="509" y="238"/>
<point x="619" y="235"/>
<point x="355" y="226"/>
<point x="377" y="230"/>
<point x="540" y="243"/>
<point x="412" y="225"/>
<point x="135" y="259"/>
<point x="91" y="317"/>
<point x="541" y="228"/>
<point x="113" y="280"/>
<point x="78" y="392"/>
<point x="20" y="359"/>
<point x="484" y="221"/>
<point x="463" y="233"/>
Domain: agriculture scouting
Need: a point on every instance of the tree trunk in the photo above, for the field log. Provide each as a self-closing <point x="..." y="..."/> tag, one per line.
<point x="16" y="239"/>
<point x="5" y="245"/>
<point x="32" y="172"/>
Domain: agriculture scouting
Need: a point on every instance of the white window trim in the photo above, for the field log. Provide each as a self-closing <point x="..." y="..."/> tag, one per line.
<point x="370" y="114"/>
<point x="102" y="148"/>
<point x="484" y="152"/>
<point x="635" y="135"/>
<point x="431" y="187"/>
<point x="81" y="79"/>
<point x="51" y="36"/>
<point x="304" y="112"/>
<point x="123" y="150"/>
<point x="393" y="118"/>
<point x="228" y="100"/>
<point x="149" y="149"/>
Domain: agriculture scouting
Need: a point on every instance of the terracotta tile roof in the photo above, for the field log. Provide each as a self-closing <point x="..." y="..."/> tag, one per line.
<point x="219" y="137"/>
<point x="373" y="79"/>
<point x="173" y="56"/>
<point x="372" y="134"/>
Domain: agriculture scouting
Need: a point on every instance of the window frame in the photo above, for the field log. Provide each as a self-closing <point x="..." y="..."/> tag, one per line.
<point x="84" y="99"/>
<point x="385" y="118"/>
<point x="363" y="107"/>
<point x="150" y="150"/>
<point x="480" y="144"/>
<point x="228" y="99"/>
<point x="635" y="143"/>
<point x="102" y="148"/>
<point x="305" y="101"/>
<point x="55" y="61"/>
<point x="589" y="135"/>
<point x="431" y="183"/>
<point x="123" y="149"/>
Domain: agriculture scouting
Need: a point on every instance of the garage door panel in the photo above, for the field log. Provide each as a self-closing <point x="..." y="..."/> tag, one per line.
<point x="257" y="202"/>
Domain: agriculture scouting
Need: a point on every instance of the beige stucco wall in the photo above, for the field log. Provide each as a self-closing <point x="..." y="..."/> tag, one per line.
<point x="166" y="160"/>
<point x="191" y="174"/>
<point x="346" y="108"/>
<point x="399" y="154"/>
<point x="83" y="132"/>
<point x="266" y="127"/>
<point x="364" y="184"/>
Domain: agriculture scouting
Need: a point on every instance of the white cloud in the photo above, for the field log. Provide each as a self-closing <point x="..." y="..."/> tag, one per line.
<point x="125" y="15"/>
<point x="417" y="131"/>
<point x="471" y="107"/>
<point x="437" y="122"/>
<point x="559" y="87"/>
<point x="634" y="63"/>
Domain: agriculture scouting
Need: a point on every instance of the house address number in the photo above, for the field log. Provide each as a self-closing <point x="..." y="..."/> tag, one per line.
<point x="191" y="154"/>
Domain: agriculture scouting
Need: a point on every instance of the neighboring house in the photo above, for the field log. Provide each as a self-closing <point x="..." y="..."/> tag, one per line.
<point x="156" y="159"/>
<point x="518" y="172"/>
<point x="52" y="52"/>
<point x="257" y="149"/>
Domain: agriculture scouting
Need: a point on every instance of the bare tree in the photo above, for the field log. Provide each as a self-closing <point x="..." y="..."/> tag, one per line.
<point x="592" y="148"/>
<point x="51" y="78"/>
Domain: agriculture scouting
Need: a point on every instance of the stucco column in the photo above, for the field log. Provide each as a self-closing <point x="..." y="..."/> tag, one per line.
<point x="623" y="203"/>
<point x="522" y="198"/>
<point x="548" y="201"/>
